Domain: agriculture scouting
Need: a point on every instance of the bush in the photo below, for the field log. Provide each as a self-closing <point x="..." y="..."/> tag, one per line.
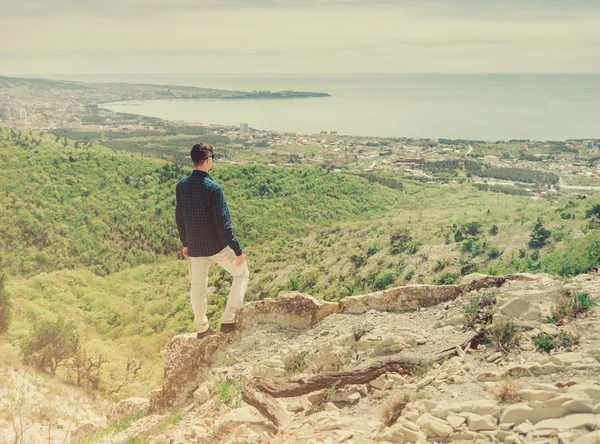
<point x="228" y="391"/>
<point x="494" y="230"/>
<point x="547" y="343"/>
<point x="570" y="306"/>
<point x="402" y="241"/>
<point x="494" y="253"/>
<point x="503" y="336"/>
<point x="393" y="409"/>
<point x="479" y="310"/>
<point x="296" y="363"/>
<point x="408" y="276"/>
<point x="539" y="235"/>
<point x="51" y="344"/>
<point x="575" y="257"/>
<point x="447" y="279"/>
<point x="385" y="279"/>
<point x="357" y="260"/>
<point x="5" y="306"/>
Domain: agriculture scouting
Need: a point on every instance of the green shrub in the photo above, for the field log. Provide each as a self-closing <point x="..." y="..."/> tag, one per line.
<point x="494" y="253"/>
<point x="50" y="344"/>
<point x="295" y="363"/>
<point x="564" y="339"/>
<point x="228" y="391"/>
<point x="575" y="257"/>
<point x="357" y="259"/>
<point x="493" y="230"/>
<point x="421" y="369"/>
<point x="539" y="235"/>
<point x="479" y="310"/>
<point x="408" y="276"/>
<point x="447" y="279"/>
<point x="385" y="279"/>
<point x="503" y="336"/>
<point x="570" y="306"/>
<point x="544" y="342"/>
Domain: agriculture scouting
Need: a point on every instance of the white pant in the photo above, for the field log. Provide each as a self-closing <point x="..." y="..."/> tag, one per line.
<point x="199" y="266"/>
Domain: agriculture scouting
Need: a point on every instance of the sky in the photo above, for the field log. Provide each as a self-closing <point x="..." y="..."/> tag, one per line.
<point x="298" y="36"/>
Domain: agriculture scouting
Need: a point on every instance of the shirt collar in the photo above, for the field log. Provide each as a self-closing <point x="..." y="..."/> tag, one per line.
<point x="200" y="173"/>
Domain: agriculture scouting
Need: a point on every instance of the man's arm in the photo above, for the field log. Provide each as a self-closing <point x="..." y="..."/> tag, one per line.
<point x="179" y="219"/>
<point x="220" y="213"/>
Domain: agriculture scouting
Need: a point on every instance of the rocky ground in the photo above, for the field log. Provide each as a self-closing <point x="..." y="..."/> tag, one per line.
<point x="512" y="392"/>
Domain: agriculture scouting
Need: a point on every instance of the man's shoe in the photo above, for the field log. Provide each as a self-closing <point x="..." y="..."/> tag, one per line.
<point x="204" y="334"/>
<point x="228" y="327"/>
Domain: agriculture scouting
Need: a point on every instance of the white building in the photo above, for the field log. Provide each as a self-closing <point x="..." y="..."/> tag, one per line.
<point x="490" y="160"/>
<point x="244" y="128"/>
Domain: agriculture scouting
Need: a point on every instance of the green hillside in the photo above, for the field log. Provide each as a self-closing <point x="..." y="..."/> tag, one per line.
<point x="88" y="233"/>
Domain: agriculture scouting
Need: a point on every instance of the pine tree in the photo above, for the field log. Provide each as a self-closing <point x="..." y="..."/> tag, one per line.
<point x="539" y="235"/>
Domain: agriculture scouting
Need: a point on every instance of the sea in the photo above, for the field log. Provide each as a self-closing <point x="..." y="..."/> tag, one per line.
<point x="469" y="106"/>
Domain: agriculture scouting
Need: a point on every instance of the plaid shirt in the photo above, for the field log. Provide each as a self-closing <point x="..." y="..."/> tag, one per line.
<point x="203" y="217"/>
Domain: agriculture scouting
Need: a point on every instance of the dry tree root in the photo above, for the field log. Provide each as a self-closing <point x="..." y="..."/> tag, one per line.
<point x="262" y="393"/>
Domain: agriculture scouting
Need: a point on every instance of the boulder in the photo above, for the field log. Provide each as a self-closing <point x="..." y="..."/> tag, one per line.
<point x="434" y="427"/>
<point x="477" y="422"/>
<point x="186" y="362"/>
<point x="579" y="421"/>
<point x="292" y="310"/>
<point x="83" y="432"/>
<point x="127" y="408"/>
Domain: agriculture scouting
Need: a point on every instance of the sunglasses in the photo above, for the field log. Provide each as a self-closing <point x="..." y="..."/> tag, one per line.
<point x="211" y="155"/>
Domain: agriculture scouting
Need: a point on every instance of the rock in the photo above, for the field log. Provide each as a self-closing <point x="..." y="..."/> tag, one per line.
<point x="347" y="396"/>
<point x="292" y="310"/>
<point x="247" y="416"/>
<point x="201" y="395"/>
<point x="482" y="407"/>
<point x="487" y="376"/>
<point x="590" y="390"/>
<point x="494" y="356"/>
<point x="378" y="383"/>
<point x="477" y="422"/>
<point x="578" y="405"/>
<point x="83" y="432"/>
<point x="127" y="408"/>
<point x="549" y="329"/>
<point x="524" y="428"/>
<point x="596" y="409"/>
<point x="317" y="398"/>
<point x="578" y="421"/>
<point x="516" y="413"/>
<point x="566" y="359"/>
<point x="514" y="308"/>
<point x="425" y="382"/>
<point x="547" y="387"/>
<point x="590" y="438"/>
<point x="537" y="395"/>
<point x="455" y="420"/>
<point x="186" y="361"/>
<point x="434" y="427"/>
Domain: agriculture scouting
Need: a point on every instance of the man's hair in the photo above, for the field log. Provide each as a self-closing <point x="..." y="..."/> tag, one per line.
<point x="200" y="152"/>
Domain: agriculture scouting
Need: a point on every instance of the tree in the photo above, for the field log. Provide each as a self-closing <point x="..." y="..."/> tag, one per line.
<point x="494" y="230"/>
<point x="539" y="235"/>
<point x="51" y="344"/>
<point x="5" y="306"/>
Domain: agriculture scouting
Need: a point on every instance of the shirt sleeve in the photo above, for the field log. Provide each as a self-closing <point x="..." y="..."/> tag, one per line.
<point x="179" y="216"/>
<point x="220" y="213"/>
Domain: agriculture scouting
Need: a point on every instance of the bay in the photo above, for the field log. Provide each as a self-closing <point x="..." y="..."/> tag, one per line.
<point x="457" y="106"/>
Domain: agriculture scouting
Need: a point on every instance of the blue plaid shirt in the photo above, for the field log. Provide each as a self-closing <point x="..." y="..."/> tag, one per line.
<point x="203" y="217"/>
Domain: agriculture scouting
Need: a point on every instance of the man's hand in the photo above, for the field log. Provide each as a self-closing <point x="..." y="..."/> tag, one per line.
<point x="185" y="252"/>
<point x="240" y="260"/>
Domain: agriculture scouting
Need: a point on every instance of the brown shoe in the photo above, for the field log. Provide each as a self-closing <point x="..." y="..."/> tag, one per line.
<point x="228" y="328"/>
<point x="204" y="334"/>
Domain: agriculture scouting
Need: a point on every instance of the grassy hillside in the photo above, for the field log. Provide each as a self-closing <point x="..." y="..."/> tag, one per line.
<point x="88" y="233"/>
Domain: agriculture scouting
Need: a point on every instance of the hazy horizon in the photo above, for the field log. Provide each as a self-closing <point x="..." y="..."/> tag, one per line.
<point x="292" y="36"/>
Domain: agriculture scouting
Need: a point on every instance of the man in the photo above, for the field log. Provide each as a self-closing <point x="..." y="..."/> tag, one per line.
<point x="205" y="231"/>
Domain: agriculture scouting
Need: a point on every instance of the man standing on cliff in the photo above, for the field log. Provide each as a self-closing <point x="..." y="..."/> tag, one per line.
<point x="205" y="231"/>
